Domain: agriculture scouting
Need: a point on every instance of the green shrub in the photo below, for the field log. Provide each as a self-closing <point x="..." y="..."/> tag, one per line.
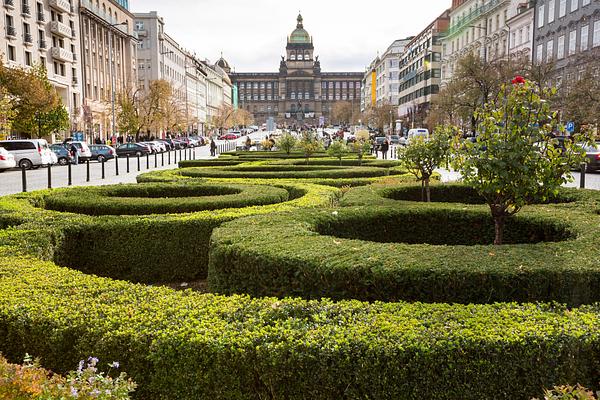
<point x="287" y="172"/>
<point x="347" y="254"/>
<point x="182" y="345"/>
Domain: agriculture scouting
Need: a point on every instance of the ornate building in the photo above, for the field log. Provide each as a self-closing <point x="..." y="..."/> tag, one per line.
<point x="299" y="94"/>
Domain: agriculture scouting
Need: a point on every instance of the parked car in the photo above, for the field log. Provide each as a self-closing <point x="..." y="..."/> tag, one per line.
<point x="379" y="141"/>
<point x="132" y="149"/>
<point x="415" y="133"/>
<point x="395" y="139"/>
<point x="82" y="149"/>
<point x="592" y="153"/>
<point x="160" y="145"/>
<point x="154" y="147"/>
<point x="7" y="160"/>
<point x="29" y="153"/>
<point x="62" y="154"/>
<point x="228" y="136"/>
<point x="102" y="152"/>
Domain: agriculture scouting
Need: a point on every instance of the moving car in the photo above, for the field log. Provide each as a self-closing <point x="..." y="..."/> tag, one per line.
<point x="132" y="149"/>
<point x="228" y="136"/>
<point x="62" y="154"/>
<point x="7" y="160"/>
<point x="102" y="152"/>
<point x="29" y="153"/>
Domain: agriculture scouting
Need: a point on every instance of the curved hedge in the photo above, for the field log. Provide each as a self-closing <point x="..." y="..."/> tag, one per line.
<point x="161" y="198"/>
<point x="149" y="249"/>
<point x="271" y="171"/>
<point x="183" y="345"/>
<point x="348" y="254"/>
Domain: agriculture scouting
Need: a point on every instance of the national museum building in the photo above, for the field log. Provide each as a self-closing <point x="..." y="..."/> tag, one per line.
<point x="299" y="94"/>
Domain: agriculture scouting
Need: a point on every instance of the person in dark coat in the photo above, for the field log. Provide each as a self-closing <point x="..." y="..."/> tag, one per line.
<point x="213" y="148"/>
<point x="385" y="146"/>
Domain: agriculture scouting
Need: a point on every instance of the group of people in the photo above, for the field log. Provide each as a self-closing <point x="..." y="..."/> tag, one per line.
<point x="384" y="147"/>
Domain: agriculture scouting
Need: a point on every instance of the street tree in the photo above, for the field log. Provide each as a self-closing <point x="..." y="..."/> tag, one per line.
<point x="310" y="144"/>
<point x="129" y="120"/>
<point x="381" y="115"/>
<point x="287" y="142"/>
<point x="223" y="120"/>
<point x="7" y="113"/>
<point x="360" y="147"/>
<point x="342" y="113"/>
<point x="580" y="100"/>
<point x="423" y="156"/>
<point x="242" y="117"/>
<point x="515" y="161"/>
<point x="52" y="121"/>
<point x="337" y="149"/>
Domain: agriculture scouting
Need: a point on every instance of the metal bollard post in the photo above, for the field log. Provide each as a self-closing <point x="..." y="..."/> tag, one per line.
<point x="103" y="171"/>
<point x="194" y="153"/>
<point x="582" y="176"/>
<point x="70" y="175"/>
<point x="155" y="160"/>
<point x="162" y="159"/>
<point x="138" y="162"/>
<point x="179" y="154"/>
<point x="49" y="176"/>
<point x="24" y="178"/>
<point x="175" y="156"/>
<point x="117" y="165"/>
<point x="87" y="170"/>
<point x="190" y="154"/>
<point x="169" y="157"/>
<point x="147" y="160"/>
<point x="127" y="163"/>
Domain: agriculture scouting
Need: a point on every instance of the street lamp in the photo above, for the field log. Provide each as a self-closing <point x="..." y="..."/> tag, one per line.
<point x="112" y="73"/>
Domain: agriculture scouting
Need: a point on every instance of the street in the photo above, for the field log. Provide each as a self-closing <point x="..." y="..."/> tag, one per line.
<point x="11" y="181"/>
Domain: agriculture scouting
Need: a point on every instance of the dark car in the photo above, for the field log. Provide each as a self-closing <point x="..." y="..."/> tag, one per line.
<point x="592" y="154"/>
<point x="102" y="152"/>
<point x="62" y="153"/>
<point x="132" y="149"/>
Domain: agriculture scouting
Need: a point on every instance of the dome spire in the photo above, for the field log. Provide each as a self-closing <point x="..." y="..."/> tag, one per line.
<point x="300" y="25"/>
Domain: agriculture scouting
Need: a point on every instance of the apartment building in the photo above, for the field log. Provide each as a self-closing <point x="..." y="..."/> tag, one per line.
<point x="218" y="88"/>
<point x="420" y="71"/>
<point x="520" y="28"/>
<point x="46" y="32"/>
<point x="369" y="86"/>
<point x="109" y="62"/>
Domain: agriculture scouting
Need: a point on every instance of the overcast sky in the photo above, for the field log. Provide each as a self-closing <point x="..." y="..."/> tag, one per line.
<point x="252" y="34"/>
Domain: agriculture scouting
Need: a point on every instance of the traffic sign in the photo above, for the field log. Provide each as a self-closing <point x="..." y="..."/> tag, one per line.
<point x="570" y="127"/>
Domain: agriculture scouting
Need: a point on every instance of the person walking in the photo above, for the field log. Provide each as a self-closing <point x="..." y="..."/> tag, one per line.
<point x="385" y="147"/>
<point x="213" y="148"/>
<point x="74" y="153"/>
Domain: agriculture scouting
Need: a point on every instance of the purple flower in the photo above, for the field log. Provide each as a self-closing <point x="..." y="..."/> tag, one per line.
<point x="80" y="367"/>
<point x="115" y="364"/>
<point x="74" y="392"/>
<point x="93" y="361"/>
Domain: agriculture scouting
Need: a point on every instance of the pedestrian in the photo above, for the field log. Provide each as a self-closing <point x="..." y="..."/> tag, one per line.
<point x="74" y="153"/>
<point x="248" y="143"/>
<point x="213" y="148"/>
<point x="385" y="146"/>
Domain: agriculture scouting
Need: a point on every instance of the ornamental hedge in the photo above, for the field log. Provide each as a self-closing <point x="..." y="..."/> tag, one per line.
<point x="184" y="345"/>
<point x="271" y="171"/>
<point x="415" y="252"/>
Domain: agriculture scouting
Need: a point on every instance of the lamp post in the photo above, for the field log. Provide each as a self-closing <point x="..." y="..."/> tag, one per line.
<point x="112" y="75"/>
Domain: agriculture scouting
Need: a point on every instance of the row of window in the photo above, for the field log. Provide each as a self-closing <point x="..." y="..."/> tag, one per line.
<point x="417" y="94"/>
<point x="299" y="56"/>
<point x="566" y="45"/>
<point x="548" y="12"/>
<point x="324" y="85"/>
<point x="299" y="96"/>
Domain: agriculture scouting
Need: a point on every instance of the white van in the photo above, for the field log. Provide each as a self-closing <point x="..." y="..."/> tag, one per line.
<point x="416" y="133"/>
<point x="29" y="153"/>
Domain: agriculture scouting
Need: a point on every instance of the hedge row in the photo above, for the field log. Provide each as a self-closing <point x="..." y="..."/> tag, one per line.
<point x="161" y="198"/>
<point x="158" y="248"/>
<point x="414" y="252"/>
<point x="183" y="345"/>
<point x="287" y="172"/>
<point x="230" y="161"/>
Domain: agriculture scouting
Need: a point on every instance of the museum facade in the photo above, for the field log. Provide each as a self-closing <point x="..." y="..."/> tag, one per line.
<point x="300" y="93"/>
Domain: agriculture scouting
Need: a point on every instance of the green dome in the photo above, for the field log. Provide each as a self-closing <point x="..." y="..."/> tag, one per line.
<point x="299" y="35"/>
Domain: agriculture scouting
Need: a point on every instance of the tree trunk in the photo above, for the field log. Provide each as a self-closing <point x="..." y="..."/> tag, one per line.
<point x="499" y="228"/>
<point x="427" y="190"/>
<point x="422" y="190"/>
<point x="340" y="161"/>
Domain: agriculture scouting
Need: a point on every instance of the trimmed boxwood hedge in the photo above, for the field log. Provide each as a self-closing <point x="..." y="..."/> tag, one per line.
<point x="161" y="198"/>
<point x="287" y="172"/>
<point x="340" y="255"/>
<point x="183" y="345"/>
<point x="319" y="161"/>
<point x="149" y="249"/>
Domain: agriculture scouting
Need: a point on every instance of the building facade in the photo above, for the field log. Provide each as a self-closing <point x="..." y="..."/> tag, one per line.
<point x="420" y="71"/>
<point x="300" y="93"/>
<point x="109" y="62"/>
<point x="46" y="32"/>
<point x="520" y="28"/>
<point x="566" y="32"/>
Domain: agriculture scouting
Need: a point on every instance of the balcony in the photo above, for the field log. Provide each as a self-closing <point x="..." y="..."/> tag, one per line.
<point x="10" y="4"/>
<point x="41" y="17"/>
<point x="89" y="7"/>
<point x="11" y="32"/>
<point x="61" y="5"/>
<point x="461" y="23"/>
<point x="61" y="54"/>
<point x="60" y="29"/>
<point x="28" y="39"/>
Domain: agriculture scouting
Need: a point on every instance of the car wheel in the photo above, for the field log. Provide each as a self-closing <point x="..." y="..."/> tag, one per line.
<point x="138" y="153"/>
<point x="25" y="164"/>
<point x="63" y="161"/>
<point x="101" y="158"/>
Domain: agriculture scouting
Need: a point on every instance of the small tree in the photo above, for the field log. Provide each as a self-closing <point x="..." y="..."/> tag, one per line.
<point x="515" y="160"/>
<point x="423" y="156"/>
<point x="361" y="147"/>
<point x="309" y="145"/>
<point x="6" y="113"/>
<point x="287" y="142"/>
<point x="338" y="150"/>
<point x="52" y="121"/>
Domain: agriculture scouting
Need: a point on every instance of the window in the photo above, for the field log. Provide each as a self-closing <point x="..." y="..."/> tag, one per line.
<point x="541" y="16"/>
<point x="12" y="53"/>
<point x="28" y="58"/>
<point x="139" y="25"/>
<point x="596" y="39"/>
<point x="292" y="57"/>
<point x="560" y="51"/>
<point x="585" y="38"/>
<point x="585" y="2"/>
<point x="572" y="42"/>
<point x="562" y="8"/>
<point x="549" y="50"/>
<point x="551" y="11"/>
<point x="574" y="5"/>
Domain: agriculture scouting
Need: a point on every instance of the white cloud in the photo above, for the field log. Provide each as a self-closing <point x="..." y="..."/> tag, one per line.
<point x="252" y="34"/>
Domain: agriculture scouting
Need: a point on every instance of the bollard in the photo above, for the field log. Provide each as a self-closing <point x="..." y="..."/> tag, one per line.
<point x="582" y="176"/>
<point x="70" y="175"/>
<point x="49" y="176"/>
<point x="138" y="162"/>
<point x="155" y="160"/>
<point x="179" y="154"/>
<point x="147" y="160"/>
<point x="24" y="178"/>
<point x="194" y="153"/>
<point x="175" y="156"/>
<point x="103" y="171"/>
<point x="162" y="159"/>
<point x="87" y="170"/>
<point x="127" y="163"/>
<point x="190" y="154"/>
<point x="169" y="157"/>
<point x="117" y="165"/>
